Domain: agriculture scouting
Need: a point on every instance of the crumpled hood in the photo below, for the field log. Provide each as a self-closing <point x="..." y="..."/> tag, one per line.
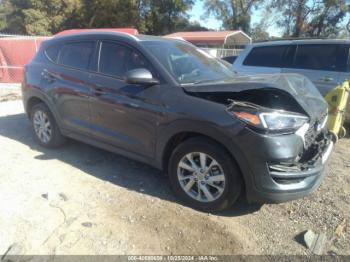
<point x="300" y="87"/>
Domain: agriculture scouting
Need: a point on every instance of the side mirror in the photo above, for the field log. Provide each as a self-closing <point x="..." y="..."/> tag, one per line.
<point x="140" y="76"/>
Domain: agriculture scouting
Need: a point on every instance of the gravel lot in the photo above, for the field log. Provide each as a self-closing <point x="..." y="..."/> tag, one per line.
<point x="82" y="200"/>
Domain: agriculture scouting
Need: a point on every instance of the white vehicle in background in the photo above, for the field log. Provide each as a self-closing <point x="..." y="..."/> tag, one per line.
<point x="324" y="61"/>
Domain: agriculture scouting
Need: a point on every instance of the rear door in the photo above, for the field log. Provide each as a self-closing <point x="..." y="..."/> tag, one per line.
<point x="68" y="79"/>
<point x="262" y="60"/>
<point x="321" y="63"/>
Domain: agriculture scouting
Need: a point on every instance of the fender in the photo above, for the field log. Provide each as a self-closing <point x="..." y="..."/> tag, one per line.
<point x="167" y="132"/>
<point x="34" y="92"/>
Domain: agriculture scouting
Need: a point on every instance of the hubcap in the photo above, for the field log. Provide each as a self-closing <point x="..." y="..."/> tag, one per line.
<point x="201" y="177"/>
<point x="42" y="126"/>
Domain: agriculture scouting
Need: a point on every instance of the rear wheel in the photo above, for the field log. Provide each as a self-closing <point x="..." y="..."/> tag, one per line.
<point x="204" y="175"/>
<point x="46" y="131"/>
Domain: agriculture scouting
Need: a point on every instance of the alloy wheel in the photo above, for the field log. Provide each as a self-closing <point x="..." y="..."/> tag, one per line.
<point x="201" y="177"/>
<point x="42" y="126"/>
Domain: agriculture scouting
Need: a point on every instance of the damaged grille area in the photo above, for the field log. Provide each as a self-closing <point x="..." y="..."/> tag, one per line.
<point x="314" y="130"/>
<point x="294" y="172"/>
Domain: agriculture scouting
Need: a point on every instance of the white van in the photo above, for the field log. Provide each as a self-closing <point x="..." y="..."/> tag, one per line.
<point x="324" y="61"/>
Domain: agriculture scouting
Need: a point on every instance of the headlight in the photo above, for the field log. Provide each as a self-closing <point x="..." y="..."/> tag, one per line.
<point x="280" y="121"/>
<point x="273" y="121"/>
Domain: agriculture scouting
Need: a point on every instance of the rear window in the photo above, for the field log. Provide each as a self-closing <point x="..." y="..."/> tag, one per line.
<point x="52" y="52"/>
<point x="269" y="56"/>
<point x="326" y="57"/>
<point x="77" y="54"/>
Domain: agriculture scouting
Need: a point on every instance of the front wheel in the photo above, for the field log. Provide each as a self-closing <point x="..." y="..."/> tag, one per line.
<point x="204" y="175"/>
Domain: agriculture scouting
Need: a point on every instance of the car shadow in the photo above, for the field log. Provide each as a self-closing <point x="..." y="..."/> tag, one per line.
<point x="347" y="127"/>
<point x="105" y="165"/>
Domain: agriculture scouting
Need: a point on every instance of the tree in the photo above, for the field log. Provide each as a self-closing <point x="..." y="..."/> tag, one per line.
<point x="191" y="26"/>
<point x="39" y="17"/>
<point x="165" y="16"/>
<point x="312" y="18"/>
<point x="326" y="22"/>
<point x="45" y="17"/>
<point x="108" y="13"/>
<point x="259" y="33"/>
<point x="234" y="14"/>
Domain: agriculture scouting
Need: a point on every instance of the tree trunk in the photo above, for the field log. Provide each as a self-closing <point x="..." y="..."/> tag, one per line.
<point x="299" y="21"/>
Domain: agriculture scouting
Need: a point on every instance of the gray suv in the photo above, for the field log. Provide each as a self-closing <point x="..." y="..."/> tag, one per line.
<point x="324" y="61"/>
<point x="171" y="105"/>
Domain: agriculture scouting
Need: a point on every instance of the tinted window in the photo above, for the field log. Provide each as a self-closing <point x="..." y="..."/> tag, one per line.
<point x="229" y="59"/>
<point x="343" y="58"/>
<point x="77" y="55"/>
<point x="117" y="59"/>
<point x="269" y="56"/>
<point x="52" y="52"/>
<point x="347" y="55"/>
<point x="320" y="57"/>
<point x="187" y="63"/>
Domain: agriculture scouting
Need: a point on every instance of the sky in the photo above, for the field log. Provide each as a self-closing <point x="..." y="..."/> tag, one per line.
<point x="197" y="11"/>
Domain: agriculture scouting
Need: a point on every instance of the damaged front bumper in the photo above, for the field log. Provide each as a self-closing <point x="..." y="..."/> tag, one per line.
<point x="280" y="168"/>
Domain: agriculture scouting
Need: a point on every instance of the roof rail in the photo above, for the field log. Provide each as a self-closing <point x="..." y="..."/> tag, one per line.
<point x="292" y="38"/>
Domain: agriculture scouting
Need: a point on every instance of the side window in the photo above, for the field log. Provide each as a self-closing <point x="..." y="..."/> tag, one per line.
<point x="116" y="60"/>
<point x="347" y="51"/>
<point x="343" y="58"/>
<point x="76" y="54"/>
<point x="269" y="56"/>
<point x="52" y="52"/>
<point x="317" y="57"/>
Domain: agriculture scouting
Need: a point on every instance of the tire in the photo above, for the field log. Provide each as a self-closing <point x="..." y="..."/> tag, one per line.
<point x="52" y="132"/>
<point x="227" y="189"/>
<point x="342" y="132"/>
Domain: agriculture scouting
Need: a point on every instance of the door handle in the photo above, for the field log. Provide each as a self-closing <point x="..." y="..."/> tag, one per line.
<point x="133" y="105"/>
<point x="48" y="76"/>
<point x="326" y="79"/>
<point x="99" y="92"/>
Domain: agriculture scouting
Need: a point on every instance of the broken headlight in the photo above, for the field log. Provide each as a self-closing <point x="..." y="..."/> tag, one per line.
<point x="272" y="121"/>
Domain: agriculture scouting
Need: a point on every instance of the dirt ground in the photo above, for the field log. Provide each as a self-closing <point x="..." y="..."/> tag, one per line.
<point x="82" y="200"/>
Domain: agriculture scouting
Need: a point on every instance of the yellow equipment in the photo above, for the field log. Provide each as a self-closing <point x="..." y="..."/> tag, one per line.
<point x="337" y="101"/>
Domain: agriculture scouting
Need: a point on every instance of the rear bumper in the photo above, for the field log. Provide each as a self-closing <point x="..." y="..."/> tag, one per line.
<point x="269" y="176"/>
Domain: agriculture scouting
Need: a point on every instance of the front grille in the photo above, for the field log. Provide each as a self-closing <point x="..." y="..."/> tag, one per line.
<point x="314" y="130"/>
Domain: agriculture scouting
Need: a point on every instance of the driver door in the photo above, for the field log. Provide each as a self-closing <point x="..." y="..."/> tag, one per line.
<point x="123" y="115"/>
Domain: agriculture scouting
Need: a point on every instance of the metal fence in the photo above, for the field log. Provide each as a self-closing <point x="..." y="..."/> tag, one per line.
<point x="220" y="52"/>
<point x="15" y="52"/>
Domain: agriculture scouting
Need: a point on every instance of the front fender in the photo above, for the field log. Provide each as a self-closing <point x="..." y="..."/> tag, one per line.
<point x="221" y="135"/>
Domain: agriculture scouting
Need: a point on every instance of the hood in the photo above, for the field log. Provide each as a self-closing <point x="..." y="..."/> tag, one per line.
<point x="298" y="86"/>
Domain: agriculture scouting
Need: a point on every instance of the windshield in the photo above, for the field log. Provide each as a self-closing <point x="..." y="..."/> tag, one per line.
<point x="187" y="63"/>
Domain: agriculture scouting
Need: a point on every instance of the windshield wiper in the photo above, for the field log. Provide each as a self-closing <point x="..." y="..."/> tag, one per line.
<point x="234" y="103"/>
<point x="204" y="81"/>
<point x="210" y="80"/>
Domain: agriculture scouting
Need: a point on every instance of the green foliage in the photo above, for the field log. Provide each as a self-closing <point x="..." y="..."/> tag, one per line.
<point x="44" y="17"/>
<point x="165" y="16"/>
<point x="310" y="18"/>
<point x="258" y="32"/>
<point x="296" y="18"/>
<point x="234" y="14"/>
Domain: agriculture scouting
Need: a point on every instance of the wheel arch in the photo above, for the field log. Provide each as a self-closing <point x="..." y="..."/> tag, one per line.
<point x="186" y="129"/>
<point x="174" y="136"/>
<point x="32" y="101"/>
<point x="36" y="97"/>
